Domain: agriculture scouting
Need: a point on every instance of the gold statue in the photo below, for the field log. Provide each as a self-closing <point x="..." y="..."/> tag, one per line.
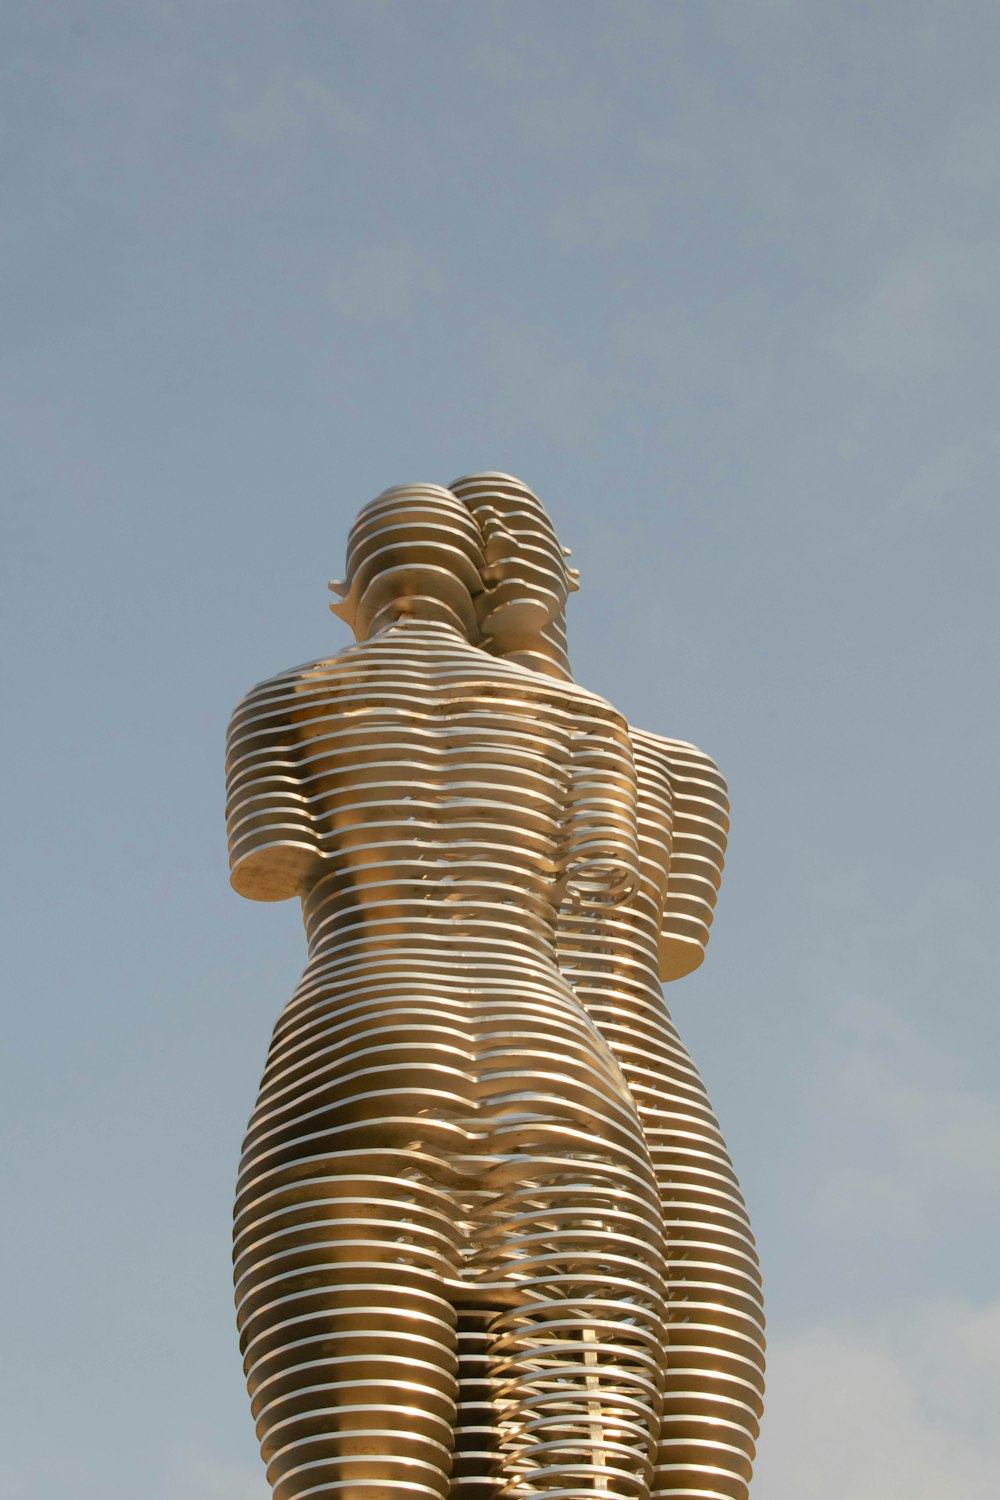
<point x="487" y="1237"/>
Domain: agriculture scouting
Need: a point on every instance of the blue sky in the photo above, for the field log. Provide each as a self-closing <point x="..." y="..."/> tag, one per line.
<point x="720" y="282"/>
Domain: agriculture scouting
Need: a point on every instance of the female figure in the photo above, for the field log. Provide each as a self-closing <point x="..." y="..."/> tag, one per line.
<point x="444" y="1147"/>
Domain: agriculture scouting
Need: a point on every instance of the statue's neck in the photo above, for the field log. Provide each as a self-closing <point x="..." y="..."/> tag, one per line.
<point x="545" y="652"/>
<point x="418" y="611"/>
<point x="549" y="664"/>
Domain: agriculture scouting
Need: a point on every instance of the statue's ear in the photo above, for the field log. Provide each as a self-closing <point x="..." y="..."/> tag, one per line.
<point x="345" y="610"/>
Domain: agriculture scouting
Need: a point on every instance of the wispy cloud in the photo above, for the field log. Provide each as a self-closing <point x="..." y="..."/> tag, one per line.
<point x="558" y="123"/>
<point x="858" y="1415"/>
<point x="544" y="387"/>
<point x="908" y="1139"/>
<point x="610" y="215"/>
<point x="197" y="1477"/>
<point x="288" y="104"/>
<point x="383" y="280"/>
<point x="932" y="305"/>
<point x="11" y="1485"/>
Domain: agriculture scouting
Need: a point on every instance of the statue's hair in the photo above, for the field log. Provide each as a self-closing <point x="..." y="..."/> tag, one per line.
<point x="410" y="526"/>
<point x="491" y="494"/>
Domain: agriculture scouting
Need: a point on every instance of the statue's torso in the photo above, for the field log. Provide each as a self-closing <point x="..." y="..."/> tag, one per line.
<point x="438" y="785"/>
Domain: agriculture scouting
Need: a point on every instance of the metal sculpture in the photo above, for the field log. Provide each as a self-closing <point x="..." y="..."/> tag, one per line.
<point x="487" y="1237"/>
<point x="714" y="1381"/>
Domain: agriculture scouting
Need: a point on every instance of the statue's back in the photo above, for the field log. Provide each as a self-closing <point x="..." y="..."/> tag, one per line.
<point x="440" y="1127"/>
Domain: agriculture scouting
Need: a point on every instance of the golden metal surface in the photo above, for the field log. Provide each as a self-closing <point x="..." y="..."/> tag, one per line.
<point x="487" y="1237"/>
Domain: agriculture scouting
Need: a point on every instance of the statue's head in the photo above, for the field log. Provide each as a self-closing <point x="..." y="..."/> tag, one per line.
<point x="526" y="578"/>
<point x="413" y="550"/>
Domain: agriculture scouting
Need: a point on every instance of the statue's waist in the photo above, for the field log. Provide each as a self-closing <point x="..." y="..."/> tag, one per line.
<point x="463" y="961"/>
<point x="441" y="914"/>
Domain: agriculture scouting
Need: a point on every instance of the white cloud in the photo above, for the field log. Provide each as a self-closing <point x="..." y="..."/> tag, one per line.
<point x="287" y="104"/>
<point x="908" y="1415"/>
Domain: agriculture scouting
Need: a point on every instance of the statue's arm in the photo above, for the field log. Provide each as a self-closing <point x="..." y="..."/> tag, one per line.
<point x="275" y="845"/>
<point x="600" y="851"/>
<point x="700" y="827"/>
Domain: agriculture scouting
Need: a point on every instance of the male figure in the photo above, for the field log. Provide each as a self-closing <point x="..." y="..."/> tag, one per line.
<point x="614" y="960"/>
<point x="443" y="1142"/>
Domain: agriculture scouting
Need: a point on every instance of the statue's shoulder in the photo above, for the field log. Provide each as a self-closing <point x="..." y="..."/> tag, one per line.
<point x="679" y="758"/>
<point x="698" y="790"/>
<point x="581" y="701"/>
<point x="288" y="689"/>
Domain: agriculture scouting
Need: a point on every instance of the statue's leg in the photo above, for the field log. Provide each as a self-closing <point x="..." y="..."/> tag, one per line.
<point x="713" y="1391"/>
<point x="577" y="1367"/>
<point x="713" y="1395"/>
<point x="347" y="1331"/>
